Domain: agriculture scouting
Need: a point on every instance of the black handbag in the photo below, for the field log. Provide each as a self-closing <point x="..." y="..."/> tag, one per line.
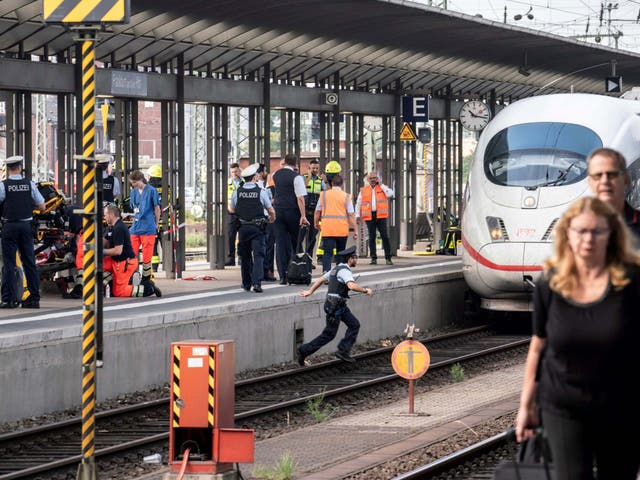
<point x="532" y="461"/>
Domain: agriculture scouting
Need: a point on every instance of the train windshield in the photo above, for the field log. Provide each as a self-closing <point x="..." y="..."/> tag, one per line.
<point x="542" y="154"/>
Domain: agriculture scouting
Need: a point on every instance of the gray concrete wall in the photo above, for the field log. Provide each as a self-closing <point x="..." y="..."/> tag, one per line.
<point x="44" y="376"/>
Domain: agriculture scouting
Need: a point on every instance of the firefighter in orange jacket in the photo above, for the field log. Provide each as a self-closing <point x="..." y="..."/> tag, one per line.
<point x="335" y="209"/>
<point x="372" y="206"/>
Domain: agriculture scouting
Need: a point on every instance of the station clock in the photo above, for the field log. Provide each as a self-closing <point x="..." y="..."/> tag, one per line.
<point x="474" y="115"/>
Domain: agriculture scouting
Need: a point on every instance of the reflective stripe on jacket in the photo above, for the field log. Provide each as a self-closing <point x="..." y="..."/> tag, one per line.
<point x="382" y="203"/>
<point x="334" y="216"/>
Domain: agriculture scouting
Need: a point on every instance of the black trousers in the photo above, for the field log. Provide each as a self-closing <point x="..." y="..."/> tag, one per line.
<point x="328" y="245"/>
<point x="17" y="237"/>
<point x="251" y="251"/>
<point x="312" y="234"/>
<point x="270" y="239"/>
<point x="577" y="444"/>
<point x="330" y="332"/>
<point x="379" y="224"/>
<point x="233" y="233"/>
<point x="287" y="226"/>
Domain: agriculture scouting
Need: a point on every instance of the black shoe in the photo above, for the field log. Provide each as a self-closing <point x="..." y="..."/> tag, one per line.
<point x="156" y="290"/>
<point x="246" y="289"/>
<point x="31" y="303"/>
<point x="230" y="263"/>
<point x="300" y="358"/>
<point x="76" y="293"/>
<point x="257" y="288"/>
<point x="269" y="278"/>
<point x="374" y="261"/>
<point x="283" y="281"/>
<point x="313" y="267"/>
<point x="8" y="305"/>
<point x="345" y="357"/>
<point x="389" y="261"/>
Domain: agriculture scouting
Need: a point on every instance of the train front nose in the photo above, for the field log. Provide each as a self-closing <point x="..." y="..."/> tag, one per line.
<point x="507" y="267"/>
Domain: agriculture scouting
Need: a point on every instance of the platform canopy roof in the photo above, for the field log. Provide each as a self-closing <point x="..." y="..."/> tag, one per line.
<point x="368" y="43"/>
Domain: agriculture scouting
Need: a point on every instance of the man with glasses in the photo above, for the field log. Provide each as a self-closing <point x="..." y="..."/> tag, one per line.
<point x="609" y="180"/>
<point x="372" y="206"/>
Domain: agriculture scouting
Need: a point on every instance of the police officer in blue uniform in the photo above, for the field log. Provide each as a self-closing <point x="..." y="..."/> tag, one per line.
<point x="110" y="185"/>
<point x="340" y="281"/>
<point x="248" y="203"/>
<point x="18" y="197"/>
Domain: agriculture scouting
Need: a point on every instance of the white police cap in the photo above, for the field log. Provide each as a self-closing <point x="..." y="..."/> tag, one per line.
<point x="13" y="160"/>
<point x="250" y="171"/>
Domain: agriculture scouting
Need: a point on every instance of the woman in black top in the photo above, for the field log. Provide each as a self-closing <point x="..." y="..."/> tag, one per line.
<point x="584" y="355"/>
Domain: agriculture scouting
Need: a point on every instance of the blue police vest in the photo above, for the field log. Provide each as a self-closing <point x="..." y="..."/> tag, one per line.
<point x="17" y="203"/>
<point x="249" y="207"/>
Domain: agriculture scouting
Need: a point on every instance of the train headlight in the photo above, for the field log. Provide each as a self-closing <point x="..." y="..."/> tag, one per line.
<point x="529" y="202"/>
<point x="496" y="229"/>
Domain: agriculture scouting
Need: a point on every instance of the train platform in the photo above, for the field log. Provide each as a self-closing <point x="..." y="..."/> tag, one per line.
<point x="40" y="350"/>
<point x="198" y="277"/>
<point x="353" y="443"/>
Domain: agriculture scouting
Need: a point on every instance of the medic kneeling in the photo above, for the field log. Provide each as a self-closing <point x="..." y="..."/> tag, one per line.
<point x="120" y="262"/>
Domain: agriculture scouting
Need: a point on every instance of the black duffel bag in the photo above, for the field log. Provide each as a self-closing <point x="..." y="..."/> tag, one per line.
<point x="531" y="462"/>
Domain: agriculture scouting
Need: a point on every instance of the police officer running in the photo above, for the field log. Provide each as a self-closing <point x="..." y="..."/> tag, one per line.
<point x="340" y="281"/>
<point x="18" y="197"/>
<point x="248" y="203"/>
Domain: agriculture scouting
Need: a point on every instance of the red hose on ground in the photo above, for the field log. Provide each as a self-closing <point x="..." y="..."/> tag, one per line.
<point x="185" y="460"/>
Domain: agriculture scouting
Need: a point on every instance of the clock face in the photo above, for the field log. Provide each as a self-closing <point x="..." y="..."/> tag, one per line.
<point x="371" y="123"/>
<point x="474" y="115"/>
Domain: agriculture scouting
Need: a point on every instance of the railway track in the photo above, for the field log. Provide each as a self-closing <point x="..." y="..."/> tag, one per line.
<point x="475" y="462"/>
<point x="38" y="452"/>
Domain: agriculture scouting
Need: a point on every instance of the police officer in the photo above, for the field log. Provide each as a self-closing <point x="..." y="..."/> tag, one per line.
<point x="263" y="182"/>
<point x="110" y="185"/>
<point x="340" y="281"/>
<point x="248" y="203"/>
<point x="232" y="185"/>
<point x="315" y="186"/>
<point x="18" y="197"/>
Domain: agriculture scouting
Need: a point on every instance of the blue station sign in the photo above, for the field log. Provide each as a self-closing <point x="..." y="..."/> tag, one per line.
<point x="415" y="109"/>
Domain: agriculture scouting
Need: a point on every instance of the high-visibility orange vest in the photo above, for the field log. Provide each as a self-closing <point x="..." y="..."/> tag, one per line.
<point x="334" y="216"/>
<point x="382" y="203"/>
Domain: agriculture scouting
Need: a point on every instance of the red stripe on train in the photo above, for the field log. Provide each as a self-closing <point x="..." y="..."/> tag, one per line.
<point x="494" y="266"/>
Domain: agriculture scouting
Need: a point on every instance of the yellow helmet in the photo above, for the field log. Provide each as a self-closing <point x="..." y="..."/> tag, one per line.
<point x="155" y="171"/>
<point x="333" y="167"/>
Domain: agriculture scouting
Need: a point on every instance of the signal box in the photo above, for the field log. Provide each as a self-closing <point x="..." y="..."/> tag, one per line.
<point x="202" y="409"/>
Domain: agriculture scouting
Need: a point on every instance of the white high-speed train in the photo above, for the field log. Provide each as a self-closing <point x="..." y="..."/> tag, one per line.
<point x="529" y="165"/>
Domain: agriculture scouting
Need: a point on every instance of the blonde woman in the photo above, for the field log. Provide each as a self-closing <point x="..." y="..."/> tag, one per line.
<point x="584" y="356"/>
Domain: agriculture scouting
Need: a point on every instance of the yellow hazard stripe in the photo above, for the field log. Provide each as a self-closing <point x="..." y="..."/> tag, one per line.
<point x="50" y="6"/>
<point x="176" y="386"/>
<point x="115" y="14"/>
<point x="212" y="365"/>
<point x="81" y="10"/>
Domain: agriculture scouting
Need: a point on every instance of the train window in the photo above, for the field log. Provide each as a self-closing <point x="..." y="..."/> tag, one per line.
<point x="541" y="154"/>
